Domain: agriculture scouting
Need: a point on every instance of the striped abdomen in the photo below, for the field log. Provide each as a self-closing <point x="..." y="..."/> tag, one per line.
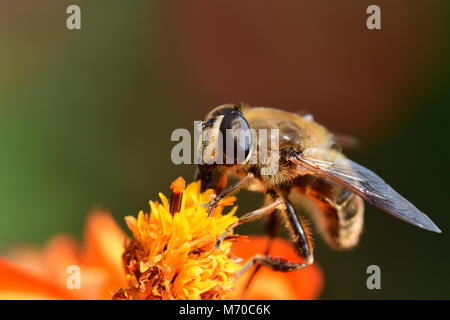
<point x="340" y="213"/>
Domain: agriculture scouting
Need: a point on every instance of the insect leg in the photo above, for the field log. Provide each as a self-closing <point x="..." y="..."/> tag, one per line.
<point x="274" y="263"/>
<point x="301" y="243"/>
<point x="229" y="191"/>
<point x="272" y="228"/>
<point x="301" y="240"/>
<point x="250" y="216"/>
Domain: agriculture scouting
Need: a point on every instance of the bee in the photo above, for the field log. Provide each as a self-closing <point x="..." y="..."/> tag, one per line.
<point x="312" y="174"/>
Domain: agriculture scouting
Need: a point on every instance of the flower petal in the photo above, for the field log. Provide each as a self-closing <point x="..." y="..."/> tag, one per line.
<point x="17" y="283"/>
<point x="104" y="241"/>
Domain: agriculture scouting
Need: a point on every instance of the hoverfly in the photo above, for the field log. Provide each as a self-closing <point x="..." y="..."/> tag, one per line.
<point x="311" y="167"/>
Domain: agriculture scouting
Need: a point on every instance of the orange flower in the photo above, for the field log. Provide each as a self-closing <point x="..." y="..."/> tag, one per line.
<point x="30" y="273"/>
<point x="145" y="267"/>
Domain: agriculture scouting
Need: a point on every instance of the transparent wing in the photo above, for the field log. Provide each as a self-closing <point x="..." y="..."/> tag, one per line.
<point x="367" y="185"/>
<point x="346" y="141"/>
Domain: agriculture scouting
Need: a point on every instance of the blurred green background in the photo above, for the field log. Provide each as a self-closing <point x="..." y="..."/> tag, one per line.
<point x="86" y="115"/>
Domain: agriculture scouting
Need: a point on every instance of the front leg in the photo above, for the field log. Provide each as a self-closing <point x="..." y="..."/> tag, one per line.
<point x="252" y="215"/>
<point x="249" y="178"/>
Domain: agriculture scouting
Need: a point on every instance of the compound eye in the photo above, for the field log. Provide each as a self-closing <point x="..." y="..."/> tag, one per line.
<point x="236" y="135"/>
